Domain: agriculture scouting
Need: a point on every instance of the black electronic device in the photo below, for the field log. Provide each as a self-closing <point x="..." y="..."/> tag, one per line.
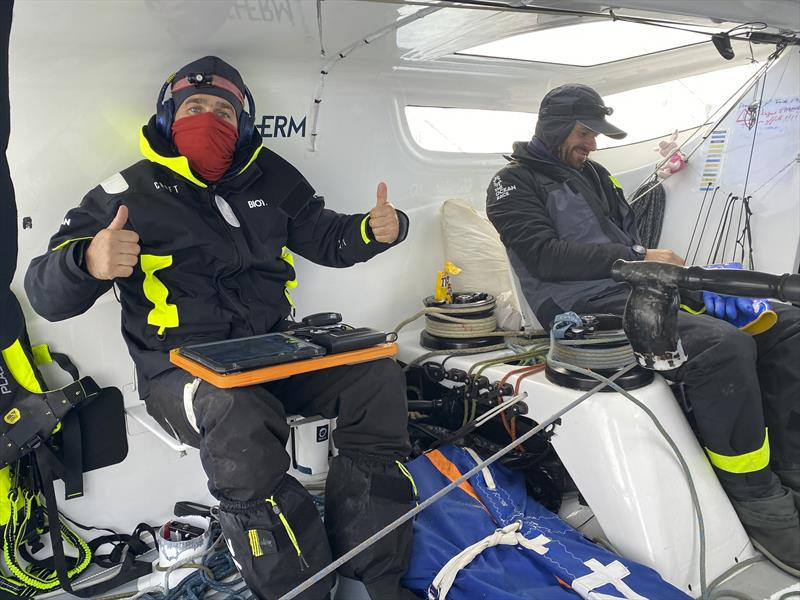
<point x="344" y="338"/>
<point x="321" y="319"/>
<point x="239" y="354"/>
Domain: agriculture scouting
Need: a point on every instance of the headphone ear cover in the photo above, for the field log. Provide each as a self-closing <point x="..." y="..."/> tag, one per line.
<point x="247" y="121"/>
<point x="246" y="128"/>
<point x="165" y="114"/>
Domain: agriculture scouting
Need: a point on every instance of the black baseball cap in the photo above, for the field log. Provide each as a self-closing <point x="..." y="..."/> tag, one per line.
<point x="575" y="102"/>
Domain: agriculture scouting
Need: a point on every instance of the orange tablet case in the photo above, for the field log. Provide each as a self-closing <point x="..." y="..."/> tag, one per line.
<point x="273" y="372"/>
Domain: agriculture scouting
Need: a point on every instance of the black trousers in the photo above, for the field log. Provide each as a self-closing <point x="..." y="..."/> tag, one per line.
<point x="242" y="433"/>
<point x="737" y="385"/>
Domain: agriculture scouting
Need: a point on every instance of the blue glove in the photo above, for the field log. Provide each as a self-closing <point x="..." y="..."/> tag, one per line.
<point x="751" y="315"/>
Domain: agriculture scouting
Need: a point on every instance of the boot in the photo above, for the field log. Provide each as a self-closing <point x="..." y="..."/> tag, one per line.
<point x="363" y="494"/>
<point x="773" y="524"/>
<point x="278" y="544"/>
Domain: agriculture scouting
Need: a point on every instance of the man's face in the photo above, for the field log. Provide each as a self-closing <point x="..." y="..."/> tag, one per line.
<point x="576" y="148"/>
<point x="200" y="103"/>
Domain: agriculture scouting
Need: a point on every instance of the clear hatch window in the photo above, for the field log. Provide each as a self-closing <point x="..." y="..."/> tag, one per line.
<point x="649" y="112"/>
<point x="587" y="44"/>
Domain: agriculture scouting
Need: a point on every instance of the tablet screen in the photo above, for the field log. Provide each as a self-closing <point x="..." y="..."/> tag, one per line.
<point x="251" y="352"/>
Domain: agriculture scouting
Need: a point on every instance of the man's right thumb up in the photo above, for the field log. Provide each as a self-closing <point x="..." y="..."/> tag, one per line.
<point x="114" y="251"/>
<point x="119" y="219"/>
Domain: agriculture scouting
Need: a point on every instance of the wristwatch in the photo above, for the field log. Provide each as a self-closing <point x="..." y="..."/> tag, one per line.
<point x="639" y="251"/>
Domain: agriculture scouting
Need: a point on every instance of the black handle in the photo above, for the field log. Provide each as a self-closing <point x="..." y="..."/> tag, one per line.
<point x="734" y="282"/>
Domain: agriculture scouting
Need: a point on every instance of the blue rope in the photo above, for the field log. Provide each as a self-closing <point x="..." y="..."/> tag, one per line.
<point x="196" y="585"/>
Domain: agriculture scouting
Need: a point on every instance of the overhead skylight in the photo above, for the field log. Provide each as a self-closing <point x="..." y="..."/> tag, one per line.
<point x="587" y="44"/>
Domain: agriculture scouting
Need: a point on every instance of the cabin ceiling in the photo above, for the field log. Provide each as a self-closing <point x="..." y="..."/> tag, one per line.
<point x="131" y="43"/>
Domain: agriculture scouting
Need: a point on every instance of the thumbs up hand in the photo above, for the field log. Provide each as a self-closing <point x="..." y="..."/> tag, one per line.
<point x="114" y="251"/>
<point x="383" y="218"/>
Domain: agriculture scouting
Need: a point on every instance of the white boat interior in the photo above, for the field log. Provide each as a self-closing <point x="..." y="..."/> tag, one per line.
<point x="428" y="96"/>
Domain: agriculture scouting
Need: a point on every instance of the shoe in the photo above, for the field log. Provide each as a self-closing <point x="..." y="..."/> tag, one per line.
<point x="773" y="524"/>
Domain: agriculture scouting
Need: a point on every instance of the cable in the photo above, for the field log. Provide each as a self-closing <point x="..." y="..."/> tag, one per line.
<point x="697" y="222"/>
<point x="705" y="224"/>
<point x="730" y="572"/>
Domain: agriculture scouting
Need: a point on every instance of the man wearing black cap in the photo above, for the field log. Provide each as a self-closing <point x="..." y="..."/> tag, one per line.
<point x="564" y="221"/>
<point x="198" y="238"/>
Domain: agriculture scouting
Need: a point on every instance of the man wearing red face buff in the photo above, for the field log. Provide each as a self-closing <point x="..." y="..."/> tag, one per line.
<point x="198" y="238"/>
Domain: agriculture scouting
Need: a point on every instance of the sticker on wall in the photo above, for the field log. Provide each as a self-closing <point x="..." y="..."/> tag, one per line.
<point x="713" y="165"/>
<point x="283" y="126"/>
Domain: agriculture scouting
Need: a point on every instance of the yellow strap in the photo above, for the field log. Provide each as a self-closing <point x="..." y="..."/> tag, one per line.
<point x="62" y="244"/>
<point x="163" y="314"/>
<point x="364" y="235"/>
<point x="692" y="311"/>
<point x="41" y="354"/>
<point x="615" y="181"/>
<point x="290" y="533"/>
<point x="255" y="547"/>
<point x="21" y="368"/>
<point x="410" y="477"/>
<point x="5" y="500"/>
<point x="743" y="463"/>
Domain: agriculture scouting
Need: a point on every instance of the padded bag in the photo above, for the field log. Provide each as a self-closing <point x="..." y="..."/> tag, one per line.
<point x="28" y="414"/>
<point x="488" y="539"/>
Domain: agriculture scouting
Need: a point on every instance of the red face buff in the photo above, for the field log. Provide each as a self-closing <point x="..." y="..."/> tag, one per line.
<point x="208" y="142"/>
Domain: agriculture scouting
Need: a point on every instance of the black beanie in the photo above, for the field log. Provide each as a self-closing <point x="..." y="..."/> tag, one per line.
<point x="209" y="75"/>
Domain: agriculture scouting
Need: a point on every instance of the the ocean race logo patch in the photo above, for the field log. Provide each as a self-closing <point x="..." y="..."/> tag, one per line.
<point x="501" y="191"/>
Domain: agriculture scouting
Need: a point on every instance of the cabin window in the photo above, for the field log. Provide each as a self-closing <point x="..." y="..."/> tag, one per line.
<point x="649" y="112"/>
<point x="592" y="43"/>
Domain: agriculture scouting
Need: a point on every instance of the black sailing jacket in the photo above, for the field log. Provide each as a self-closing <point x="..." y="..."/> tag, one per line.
<point x="216" y="259"/>
<point x="559" y="229"/>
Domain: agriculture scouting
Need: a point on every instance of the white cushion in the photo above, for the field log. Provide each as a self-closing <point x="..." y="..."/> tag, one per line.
<point x="472" y="244"/>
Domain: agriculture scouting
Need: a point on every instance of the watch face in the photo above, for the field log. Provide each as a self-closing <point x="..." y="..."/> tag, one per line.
<point x="640" y="250"/>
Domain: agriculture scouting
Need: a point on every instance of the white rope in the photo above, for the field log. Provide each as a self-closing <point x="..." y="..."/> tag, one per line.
<point x="508" y="536"/>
